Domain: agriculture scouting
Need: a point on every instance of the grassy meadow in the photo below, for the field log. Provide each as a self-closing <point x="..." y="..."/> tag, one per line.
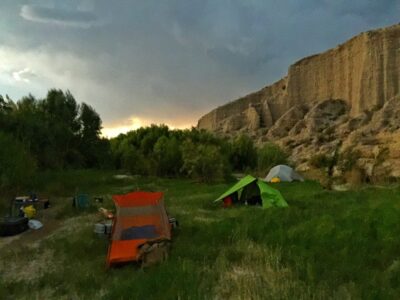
<point x="327" y="244"/>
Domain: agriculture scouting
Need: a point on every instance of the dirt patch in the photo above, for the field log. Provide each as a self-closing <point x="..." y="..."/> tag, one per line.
<point x="23" y="258"/>
<point x="29" y="269"/>
<point x="52" y="225"/>
<point x="72" y="224"/>
<point x="258" y="275"/>
<point x="33" y="237"/>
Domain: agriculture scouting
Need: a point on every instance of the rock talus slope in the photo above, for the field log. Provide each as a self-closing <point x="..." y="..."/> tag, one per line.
<point x="345" y="98"/>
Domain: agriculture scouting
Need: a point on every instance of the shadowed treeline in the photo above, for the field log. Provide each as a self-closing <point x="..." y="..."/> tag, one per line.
<point x="57" y="133"/>
<point x="51" y="133"/>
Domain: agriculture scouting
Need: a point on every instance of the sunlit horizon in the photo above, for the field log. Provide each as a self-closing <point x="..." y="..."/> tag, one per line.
<point x="110" y="131"/>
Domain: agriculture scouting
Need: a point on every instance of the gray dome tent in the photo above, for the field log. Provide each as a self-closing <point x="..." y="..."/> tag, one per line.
<point x="284" y="173"/>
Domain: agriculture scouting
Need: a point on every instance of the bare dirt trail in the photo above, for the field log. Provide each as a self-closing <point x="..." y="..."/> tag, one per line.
<point x="50" y="223"/>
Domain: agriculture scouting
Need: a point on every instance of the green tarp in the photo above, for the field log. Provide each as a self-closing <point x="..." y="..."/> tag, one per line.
<point x="270" y="196"/>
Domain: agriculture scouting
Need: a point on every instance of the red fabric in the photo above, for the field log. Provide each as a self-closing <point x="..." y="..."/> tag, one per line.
<point x="122" y="251"/>
<point x="138" y="199"/>
<point x="128" y="250"/>
<point x="227" y="201"/>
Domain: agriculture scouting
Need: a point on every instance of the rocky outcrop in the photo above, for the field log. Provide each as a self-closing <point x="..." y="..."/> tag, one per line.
<point x="344" y="98"/>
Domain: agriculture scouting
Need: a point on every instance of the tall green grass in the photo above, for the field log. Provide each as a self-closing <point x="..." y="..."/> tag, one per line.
<point x="326" y="244"/>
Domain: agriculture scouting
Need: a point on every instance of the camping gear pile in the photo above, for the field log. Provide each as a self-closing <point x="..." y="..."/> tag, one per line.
<point x="106" y="213"/>
<point x="29" y="211"/>
<point x="23" y="201"/>
<point x="252" y="191"/>
<point x="81" y="201"/>
<point x="141" y="230"/>
<point x="26" y="204"/>
<point x="22" y="211"/>
<point x="103" y="228"/>
<point x="35" y="224"/>
<point x="13" y="225"/>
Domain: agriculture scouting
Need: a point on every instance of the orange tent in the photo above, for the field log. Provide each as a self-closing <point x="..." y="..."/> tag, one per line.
<point x="140" y="219"/>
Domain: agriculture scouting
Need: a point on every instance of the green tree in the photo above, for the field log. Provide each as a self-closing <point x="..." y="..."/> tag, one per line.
<point x="60" y="112"/>
<point x="270" y="155"/>
<point x="94" y="150"/>
<point x="5" y="105"/>
<point x="6" y="108"/>
<point x="149" y="137"/>
<point x="168" y="156"/>
<point x="17" y="166"/>
<point x="203" y="162"/>
<point x="56" y="131"/>
<point x="90" y="122"/>
<point x="159" y="151"/>
<point x="132" y="160"/>
<point x="61" y="108"/>
<point x="244" y="153"/>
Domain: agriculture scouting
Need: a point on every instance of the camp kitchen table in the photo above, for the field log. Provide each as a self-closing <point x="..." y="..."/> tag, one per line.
<point x="24" y="201"/>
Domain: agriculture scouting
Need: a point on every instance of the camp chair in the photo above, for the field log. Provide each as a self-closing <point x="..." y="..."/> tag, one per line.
<point x="140" y="226"/>
<point x="81" y="201"/>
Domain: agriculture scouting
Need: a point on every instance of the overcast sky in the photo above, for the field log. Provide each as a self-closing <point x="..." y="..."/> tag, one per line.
<point x="141" y="62"/>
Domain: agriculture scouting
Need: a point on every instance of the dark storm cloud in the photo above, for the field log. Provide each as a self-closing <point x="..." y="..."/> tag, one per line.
<point x="175" y="60"/>
<point x="369" y="9"/>
<point x="36" y="13"/>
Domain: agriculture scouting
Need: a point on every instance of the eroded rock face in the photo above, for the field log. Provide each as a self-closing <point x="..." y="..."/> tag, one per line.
<point x="292" y="119"/>
<point x="328" y="128"/>
<point x="344" y="98"/>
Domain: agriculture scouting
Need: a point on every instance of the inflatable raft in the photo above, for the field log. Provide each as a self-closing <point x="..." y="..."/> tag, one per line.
<point x="13" y="225"/>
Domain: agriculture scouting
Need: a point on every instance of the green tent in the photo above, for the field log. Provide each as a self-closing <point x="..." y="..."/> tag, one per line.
<point x="250" y="190"/>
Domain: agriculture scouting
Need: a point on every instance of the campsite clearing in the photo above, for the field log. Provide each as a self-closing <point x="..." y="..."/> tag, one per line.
<point x="325" y="244"/>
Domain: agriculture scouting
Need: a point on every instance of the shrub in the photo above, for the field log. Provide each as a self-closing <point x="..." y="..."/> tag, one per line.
<point x="156" y="150"/>
<point x="348" y="159"/>
<point x="17" y="166"/>
<point x="244" y="153"/>
<point x="168" y="156"/>
<point x="203" y="162"/>
<point x="320" y="161"/>
<point x="134" y="162"/>
<point x="269" y="156"/>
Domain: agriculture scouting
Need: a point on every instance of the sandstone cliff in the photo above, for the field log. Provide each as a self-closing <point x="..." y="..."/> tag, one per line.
<point x="340" y="99"/>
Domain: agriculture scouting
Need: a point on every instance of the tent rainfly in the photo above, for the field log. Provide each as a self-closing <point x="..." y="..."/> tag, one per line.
<point x="284" y="173"/>
<point x="140" y="219"/>
<point x="250" y="190"/>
